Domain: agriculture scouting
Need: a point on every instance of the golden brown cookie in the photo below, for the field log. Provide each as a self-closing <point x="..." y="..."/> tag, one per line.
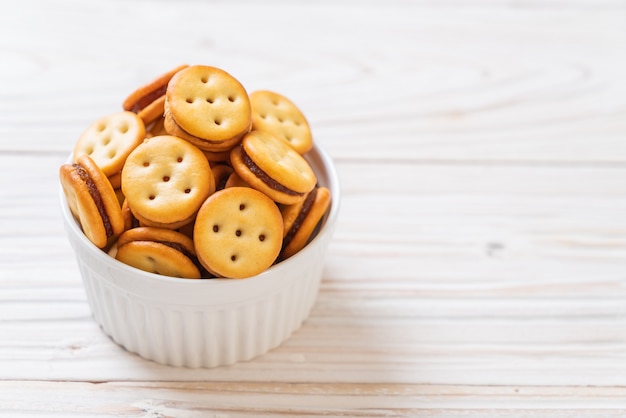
<point x="276" y="114"/>
<point x="110" y="139"/>
<point x="270" y="165"/>
<point x="238" y="232"/>
<point x="92" y="201"/>
<point x="301" y="219"/>
<point x="165" y="180"/>
<point x="160" y="251"/>
<point x="208" y="103"/>
<point x="148" y="100"/>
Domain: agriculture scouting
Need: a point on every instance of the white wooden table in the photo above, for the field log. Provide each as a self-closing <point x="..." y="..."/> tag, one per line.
<point x="479" y="262"/>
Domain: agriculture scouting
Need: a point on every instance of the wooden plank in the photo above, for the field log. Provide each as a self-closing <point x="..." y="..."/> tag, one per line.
<point x="224" y="399"/>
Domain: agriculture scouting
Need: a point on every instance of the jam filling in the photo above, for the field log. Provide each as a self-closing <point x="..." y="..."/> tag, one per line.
<point x="257" y="171"/>
<point x="306" y="207"/>
<point x="148" y="98"/>
<point x="97" y="198"/>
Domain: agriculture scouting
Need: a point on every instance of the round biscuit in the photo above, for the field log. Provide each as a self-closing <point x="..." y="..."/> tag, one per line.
<point x="209" y="103"/>
<point x="248" y="176"/>
<point x="148" y="233"/>
<point x="276" y="114"/>
<point x="275" y="169"/>
<point x="159" y="258"/>
<point x="165" y="180"/>
<point x="110" y="139"/>
<point x="296" y="239"/>
<point x="80" y="199"/>
<point x="279" y="161"/>
<point x="238" y="233"/>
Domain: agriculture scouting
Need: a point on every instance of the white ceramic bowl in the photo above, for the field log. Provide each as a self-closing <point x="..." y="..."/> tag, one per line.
<point x="205" y="323"/>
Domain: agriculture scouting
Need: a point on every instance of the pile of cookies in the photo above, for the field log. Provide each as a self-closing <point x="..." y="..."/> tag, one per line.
<point x="196" y="178"/>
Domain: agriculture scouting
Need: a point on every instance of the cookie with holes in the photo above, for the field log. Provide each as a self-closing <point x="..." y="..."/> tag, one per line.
<point x="301" y="219"/>
<point x="148" y="100"/>
<point x="276" y="114"/>
<point x="110" y="139"/>
<point x="92" y="200"/>
<point x="160" y="251"/>
<point x="238" y="233"/>
<point x="165" y="180"/>
<point x="273" y="167"/>
<point x="207" y="106"/>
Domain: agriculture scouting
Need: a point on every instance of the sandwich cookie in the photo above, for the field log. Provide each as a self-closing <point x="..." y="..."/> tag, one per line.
<point x="160" y="251"/>
<point x="208" y="107"/>
<point x="279" y="116"/>
<point x="148" y="100"/>
<point x="238" y="233"/>
<point x="110" y="139"/>
<point x="273" y="167"/>
<point x="301" y="219"/>
<point x="92" y="201"/>
<point x="165" y="180"/>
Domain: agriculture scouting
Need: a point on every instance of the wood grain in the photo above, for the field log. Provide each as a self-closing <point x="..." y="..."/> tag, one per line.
<point x="478" y="266"/>
<point x="359" y="400"/>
